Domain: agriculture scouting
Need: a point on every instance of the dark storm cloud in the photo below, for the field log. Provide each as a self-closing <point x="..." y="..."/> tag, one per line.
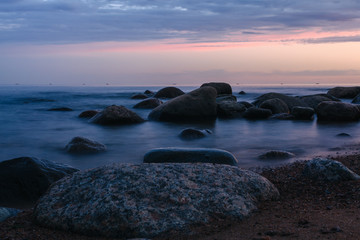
<point x="62" y="21"/>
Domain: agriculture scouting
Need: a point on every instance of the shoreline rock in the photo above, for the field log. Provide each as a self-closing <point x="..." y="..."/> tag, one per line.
<point x="116" y="115"/>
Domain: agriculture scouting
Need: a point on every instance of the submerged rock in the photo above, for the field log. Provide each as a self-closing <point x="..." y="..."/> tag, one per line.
<point x="199" y="104"/>
<point x="221" y="87"/>
<point x="276" y="155"/>
<point x="139" y="96"/>
<point x="145" y="200"/>
<point x="149" y="103"/>
<point x="328" y="170"/>
<point x="116" y="115"/>
<point x="81" y="145"/>
<point x="337" y="111"/>
<point x="344" y="92"/>
<point x="190" y="155"/>
<point x="276" y="105"/>
<point x="61" y="109"/>
<point x="23" y="180"/>
<point x="169" y="92"/>
<point x="242" y="93"/>
<point x="191" y="133"/>
<point x="88" y="114"/>
<point x="343" y="135"/>
<point x="257" y="113"/>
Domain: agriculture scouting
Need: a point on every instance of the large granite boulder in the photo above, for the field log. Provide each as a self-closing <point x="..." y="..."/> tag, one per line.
<point x="190" y="155"/>
<point x="199" y="104"/>
<point x="276" y="105"/>
<point x="192" y="133"/>
<point x="221" y="87"/>
<point x="314" y="100"/>
<point x="116" y="115"/>
<point x="257" y="113"/>
<point x="230" y="109"/>
<point x="289" y="100"/>
<point x="169" y="92"/>
<point x="344" y="92"/>
<point x="337" y="111"/>
<point x="81" y="145"/>
<point x="328" y="170"/>
<point x="149" y="103"/>
<point x="145" y="200"/>
<point x="23" y="180"/>
<point x="303" y="113"/>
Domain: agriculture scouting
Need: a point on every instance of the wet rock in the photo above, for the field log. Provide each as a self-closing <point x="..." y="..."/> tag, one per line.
<point x="337" y="111"/>
<point x="328" y="170"/>
<point x="81" y="145"/>
<point x="199" y="104"/>
<point x="149" y="103"/>
<point x="61" y="109"/>
<point x="276" y="155"/>
<point x="169" y="92"/>
<point x="190" y="155"/>
<point x="191" y="133"/>
<point x="344" y="92"/>
<point x="139" y="96"/>
<point x="116" y="115"/>
<point x="8" y="212"/>
<point x="246" y="104"/>
<point x="276" y="105"/>
<point x="221" y="87"/>
<point x="242" y="93"/>
<point x="314" y="100"/>
<point x="88" y="114"/>
<point x="149" y="93"/>
<point x="289" y="100"/>
<point x="282" y="116"/>
<point x="343" y="135"/>
<point x="146" y="200"/>
<point x="303" y="113"/>
<point x="226" y="98"/>
<point x="257" y="113"/>
<point x="23" y="180"/>
<point x="356" y="100"/>
<point x="230" y="109"/>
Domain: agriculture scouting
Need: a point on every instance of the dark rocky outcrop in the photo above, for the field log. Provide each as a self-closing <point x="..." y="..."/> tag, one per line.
<point x="116" y="115"/>
<point x="226" y="98"/>
<point x="192" y="134"/>
<point x="303" y="113"/>
<point x="146" y="200"/>
<point x="276" y="105"/>
<point x="23" y="180"/>
<point x="221" y="87"/>
<point x="230" y="109"/>
<point x="88" y="114"/>
<point x="289" y="100"/>
<point x="60" y="109"/>
<point x="273" y="155"/>
<point x="328" y="170"/>
<point x="81" y="145"/>
<point x="344" y="92"/>
<point x="337" y="111"/>
<point x="199" y="104"/>
<point x="314" y="100"/>
<point x="139" y="96"/>
<point x="169" y="92"/>
<point x="149" y="103"/>
<point x="257" y="113"/>
<point x="190" y="155"/>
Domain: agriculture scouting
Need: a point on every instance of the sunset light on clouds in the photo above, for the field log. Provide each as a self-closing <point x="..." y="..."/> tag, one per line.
<point x="184" y="42"/>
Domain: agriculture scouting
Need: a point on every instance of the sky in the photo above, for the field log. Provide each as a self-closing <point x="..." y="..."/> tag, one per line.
<point x="183" y="42"/>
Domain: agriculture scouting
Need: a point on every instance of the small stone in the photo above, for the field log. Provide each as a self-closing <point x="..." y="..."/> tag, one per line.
<point x="343" y="135"/>
<point x="81" y="145"/>
<point x="88" y="114"/>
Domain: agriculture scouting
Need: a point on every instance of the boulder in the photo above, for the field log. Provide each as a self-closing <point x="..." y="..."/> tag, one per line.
<point x="146" y="200"/>
<point x="303" y="113"/>
<point x="230" y="109"/>
<point x="273" y="155"/>
<point x="289" y="100"/>
<point x="337" y="111"/>
<point x="7" y="212"/>
<point x="344" y="92"/>
<point x="276" y="105"/>
<point x="190" y="155"/>
<point x="246" y="104"/>
<point x="149" y="103"/>
<point x="23" y="180"/>
<point x="328" y="170"/>
<point x="199" y="104"/>
<point x="314" y="100"/>
<point x="139" y="96"/>
<point x="356" y="100"/>
<point x="169" y="92"/>
<point x="226" y="98"/>
<point x="343" y="135"/>
<point x="149" y="93"/>
<point x="81" y="145"/>
<point x="116" y="115"/>
<point x="88" y="114"/>
<point x="282" y="116"/>
<point x="61" y="109"/>
<point x="221" y="87"/>
<point x="257" y="113"/>
<point x="242" y="93"/>
<point x="191" y="133"/>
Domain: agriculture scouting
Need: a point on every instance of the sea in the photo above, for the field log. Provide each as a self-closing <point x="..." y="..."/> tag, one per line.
<point x="28" y="129"/>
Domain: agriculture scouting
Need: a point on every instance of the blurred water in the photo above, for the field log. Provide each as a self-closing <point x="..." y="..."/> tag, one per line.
<point x="28" y="129"/>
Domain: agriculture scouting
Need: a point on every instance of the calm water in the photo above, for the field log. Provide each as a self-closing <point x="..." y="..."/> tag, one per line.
<point x="28" y="129"/>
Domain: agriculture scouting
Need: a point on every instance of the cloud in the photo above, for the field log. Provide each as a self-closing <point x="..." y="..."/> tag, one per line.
<point x="76" y="21"/>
